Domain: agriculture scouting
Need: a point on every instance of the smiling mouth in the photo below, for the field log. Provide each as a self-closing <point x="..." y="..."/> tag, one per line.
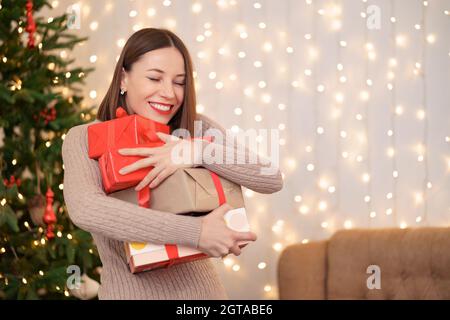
<point x="161" y="108"/>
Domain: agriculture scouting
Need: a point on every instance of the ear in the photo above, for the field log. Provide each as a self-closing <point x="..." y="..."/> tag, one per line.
<point x="123" y="79"/>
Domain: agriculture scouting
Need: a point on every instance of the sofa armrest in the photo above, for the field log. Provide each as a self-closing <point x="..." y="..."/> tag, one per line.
<point x="302" y="270"/>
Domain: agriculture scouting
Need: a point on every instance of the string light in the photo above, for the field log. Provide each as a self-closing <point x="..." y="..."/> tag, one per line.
<point x="277" y="246"/>
<point x="323" y="205"/>
<point x="348" y="224"/>
<point x="121" y="43"/>
<point x="400" y="40"/>
<point x="132" y="13"/>
<point x="304" y="209"/>
<point x="93" y="25"/>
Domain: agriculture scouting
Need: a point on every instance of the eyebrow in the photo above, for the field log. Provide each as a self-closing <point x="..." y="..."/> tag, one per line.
<point x="160" y="71"/>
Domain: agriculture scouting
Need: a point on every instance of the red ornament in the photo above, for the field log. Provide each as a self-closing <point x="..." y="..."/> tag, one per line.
<point x="31" y="25"/>
<point x="48" y="114"/>
<point x="49" y="215"/>
<point x="12" y="180"/>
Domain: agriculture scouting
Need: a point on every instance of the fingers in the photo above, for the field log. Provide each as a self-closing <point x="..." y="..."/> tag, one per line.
<point x="167" y="137"/>
<point x="149" y="177"/>
<point x="227" y="249"/>
<point x="235" y="250"/>
<point x="222" y="253"/>
<point x="142" y="163"/>
<point x="222" y="209"/>
<point x="161" y="177"/>
<point x="244" y="236"/>
<point x="140" y="151"/>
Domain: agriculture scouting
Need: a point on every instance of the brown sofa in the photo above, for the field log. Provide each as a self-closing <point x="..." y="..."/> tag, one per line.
<point x="413" y="264"/>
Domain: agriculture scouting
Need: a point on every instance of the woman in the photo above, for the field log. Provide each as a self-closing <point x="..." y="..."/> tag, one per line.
<point x="154" y="78"/>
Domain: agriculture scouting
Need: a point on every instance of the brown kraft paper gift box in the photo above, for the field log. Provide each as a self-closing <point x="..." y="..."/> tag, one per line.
<point x="201" y="195"/>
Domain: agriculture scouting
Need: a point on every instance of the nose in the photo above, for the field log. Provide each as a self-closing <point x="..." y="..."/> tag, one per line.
<point x="167" y="91"/>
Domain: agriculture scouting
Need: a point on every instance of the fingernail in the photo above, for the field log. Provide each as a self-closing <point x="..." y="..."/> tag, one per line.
<point x="121" y="171"/>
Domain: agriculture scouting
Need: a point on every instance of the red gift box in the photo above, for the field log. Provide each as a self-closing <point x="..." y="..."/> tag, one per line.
<point x="126" y="131"/>
<point x="146" y="256"/>
<point x="111" y="162"/>
<point x="106" y="138"/>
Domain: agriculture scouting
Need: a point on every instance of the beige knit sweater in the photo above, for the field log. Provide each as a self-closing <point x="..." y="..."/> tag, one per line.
<point x="112" y="221"/>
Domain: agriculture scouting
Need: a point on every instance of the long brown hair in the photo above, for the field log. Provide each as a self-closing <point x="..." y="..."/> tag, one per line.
<point x="139" y="43"/>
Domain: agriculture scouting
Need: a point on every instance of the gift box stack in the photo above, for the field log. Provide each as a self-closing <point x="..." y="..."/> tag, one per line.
<point x="199" y="191"/>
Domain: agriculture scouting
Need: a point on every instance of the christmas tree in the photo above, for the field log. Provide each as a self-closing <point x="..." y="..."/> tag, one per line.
<point x="40" y="99"/>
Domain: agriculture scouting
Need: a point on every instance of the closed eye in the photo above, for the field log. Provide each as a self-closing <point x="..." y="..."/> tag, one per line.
<point x="177" y="83"/>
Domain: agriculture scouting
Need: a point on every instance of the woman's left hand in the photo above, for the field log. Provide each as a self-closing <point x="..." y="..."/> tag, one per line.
<point x="160" y="158"/>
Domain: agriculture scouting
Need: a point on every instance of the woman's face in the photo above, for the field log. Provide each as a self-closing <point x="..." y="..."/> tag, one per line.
<point x="155" y="84"/>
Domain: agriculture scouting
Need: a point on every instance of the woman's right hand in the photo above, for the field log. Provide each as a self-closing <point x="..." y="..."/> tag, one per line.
<point x="216" y="239"/>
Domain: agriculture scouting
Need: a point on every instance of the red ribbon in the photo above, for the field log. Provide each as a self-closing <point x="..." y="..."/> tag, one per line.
<point x="219" y="188"/>
<point x="144" y="197"/>
<point x="172" y="253"/>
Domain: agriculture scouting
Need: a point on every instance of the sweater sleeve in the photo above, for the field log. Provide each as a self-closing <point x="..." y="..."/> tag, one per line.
<point x="260" y="176"/>
<point x="92" y="210"/>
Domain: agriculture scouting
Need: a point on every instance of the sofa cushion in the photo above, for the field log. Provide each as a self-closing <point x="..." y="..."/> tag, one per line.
<point x="302" y="271"/>
<point x="414" y="263"/>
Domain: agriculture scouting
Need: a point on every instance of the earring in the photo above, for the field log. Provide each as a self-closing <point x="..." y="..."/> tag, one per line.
<point x="122" y="92"/>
